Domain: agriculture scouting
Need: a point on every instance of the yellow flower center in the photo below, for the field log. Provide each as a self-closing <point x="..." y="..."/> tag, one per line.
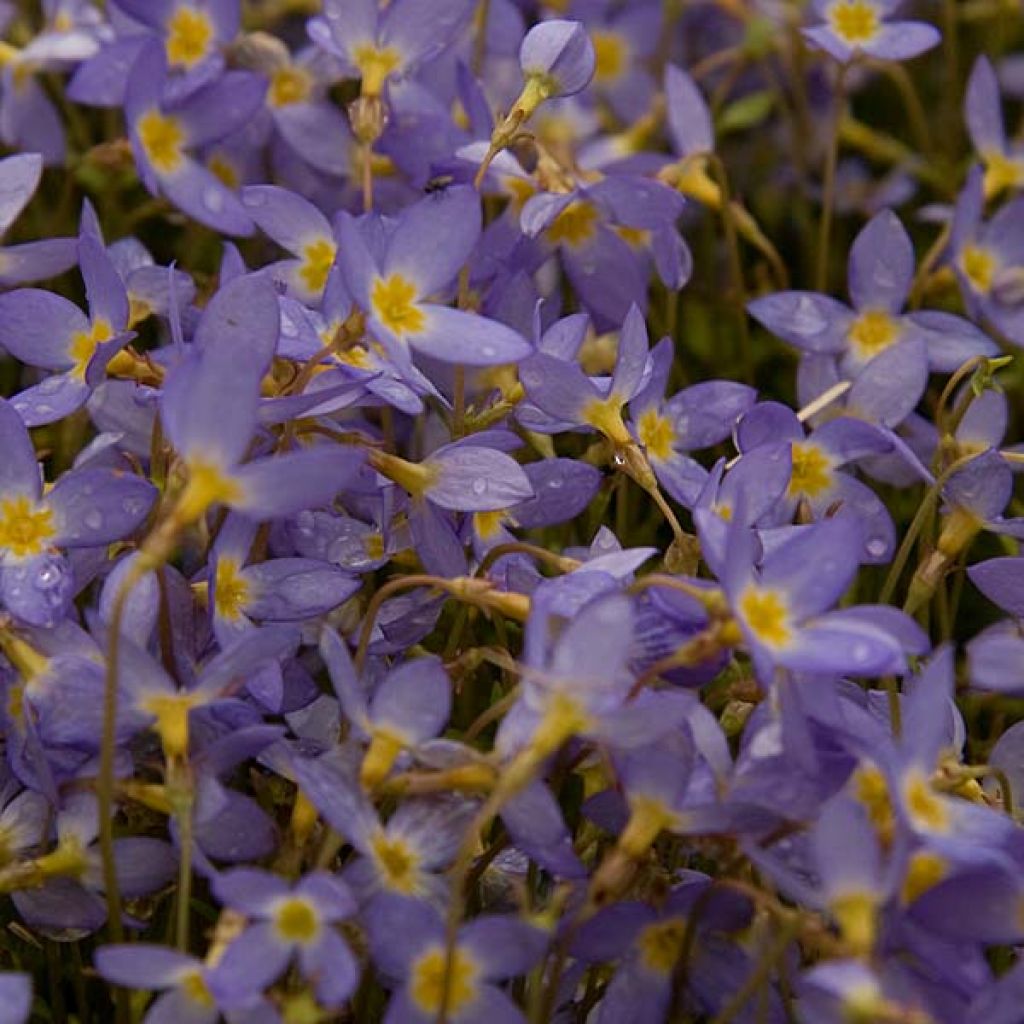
<point x="605" y="415"/>
<point x="226" y="172"/>
<point x="812" y="472"/>
<point x="854" y="21"/>
<point x="926" y="808"/>
<point x="925" y="870"/>
<point x="656" y="433"/>
<point x="317" y="260"/>
<point x="856" y="913"/>
<point x="660" y="945"/>
<point x="195" y="989"/>
<point x="207" y="485"/>
<point x="766" y="615"/>
<point x="397" y="863"/>
<point x="375" y="65"/>
<point x="357" y="356"/>
<point x="520" y="190"/>
<point x="171" y="713"/>
<point x="427" y="982"/>
<point x="25" y="527"/>
<point x="288" y="85"/>
<point x="873" y="332"/>
<point x="610" y="52"/>
<point x="871" y="789"/>
<point x="488" y="524"/>
<point x="635" y="238"/>
<point x="394" y="304"/>
<point x="296" y="921"/>
<point x="163" y="140"/>
<point x="231" y="590"/>
<point x="979" y="266"/>
<point x="83" y="345"/>
<point x="575" y="225"/>
<point x="189" y="34"/>
<point x="1001" y="172"/>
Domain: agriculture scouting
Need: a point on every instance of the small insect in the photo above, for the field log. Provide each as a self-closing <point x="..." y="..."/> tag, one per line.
<point x="438" y="183"/>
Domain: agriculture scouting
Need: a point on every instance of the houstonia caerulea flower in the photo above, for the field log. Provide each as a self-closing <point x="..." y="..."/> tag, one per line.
<point x="397" y="270"/>
<point x="210" y="410"/>
<point x="606" y="234"/>
<point x="851" y="28"/>
<point x="782" y="608"/>
<point x="152" y="699"/>
<point x="816" y="484"/>
<point x="880" y="273"/>
<point x="274" y="590"/>
<point x="84" y="508"/>
<point x="408" y="944"/>
<point x="46" y="330"/>
<point x="181" y="979"/>
<point x="163" y="135"/>
<point x="28" y="261"/>
<point x="696" y="417"/>
<point x="581" y="686"/>
<point x="299" y="227"/>
<point x="409" y="705"/>
<point x="403" y="855"/>
<point x="560" y="388"/>
<point x="194" y="33"/>
<point x="1004" y="162"/>
<point x="378" y="45"/>
<point x="988" y="258"/>
<point x="286" y="922"/>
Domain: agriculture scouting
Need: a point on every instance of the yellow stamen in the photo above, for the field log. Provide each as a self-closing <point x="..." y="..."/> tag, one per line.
<point x="812" y="472"/>
<point x="855" y="21"/>
<point x="656" y="433"/>
<point x="189" y="34"/>
<point x="429" y="984"/>
<point x="610" y="53"/>
<point x="394" y="302"/>
<point x="25" y="527"/>
<point x="873" y="332"/>
<point x="84" y="344"/>
<point x="575" y="225"/>
<point x="374" y="66"/>
<point x="231" y="590"/>
<point x="317" y="260"/>
<point x="766" y="615"/>
<point x="397" y="863"/>
<point x="163" y="140"/>
<point x="295" y="920"/>
<point x="288" y="85"/>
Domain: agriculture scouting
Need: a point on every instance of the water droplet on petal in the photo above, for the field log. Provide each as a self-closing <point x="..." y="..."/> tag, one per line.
<point x="213" y="200"/>
<point x="876" y="547"/>
<point x="555" y="483"/>
<point x="479" y="485"/>
<point x="807" y="318"/>
<point x="93" y="519"/>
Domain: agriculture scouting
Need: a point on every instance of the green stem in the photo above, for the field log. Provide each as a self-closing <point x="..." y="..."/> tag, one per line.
<point x="829" y="183"/>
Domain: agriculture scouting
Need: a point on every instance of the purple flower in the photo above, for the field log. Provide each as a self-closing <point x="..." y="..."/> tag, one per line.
<point x="84" y="508"/>
<point x="407" y="942"/>
<point x="163" y="134"/>
<point x="396" y="282"/>
<point x="1004" y="164"/>
<point x="380" y="45"/>
<point x="183" y="981"/>
<point x="850" y="28"/>
<point x="286" y="922"/>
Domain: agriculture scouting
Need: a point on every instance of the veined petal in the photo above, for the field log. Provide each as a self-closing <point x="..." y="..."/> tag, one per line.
<point x="98" y="506"/>
<point x="470" y="478"/>
<point x="38" y="327"/>
<point x="457" y="336"/>
<point x="285" y="484"/>
<point x="434" y="237"/>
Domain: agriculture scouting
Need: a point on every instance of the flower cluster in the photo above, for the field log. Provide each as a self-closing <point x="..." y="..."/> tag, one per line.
<point x="466" y="557"/>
